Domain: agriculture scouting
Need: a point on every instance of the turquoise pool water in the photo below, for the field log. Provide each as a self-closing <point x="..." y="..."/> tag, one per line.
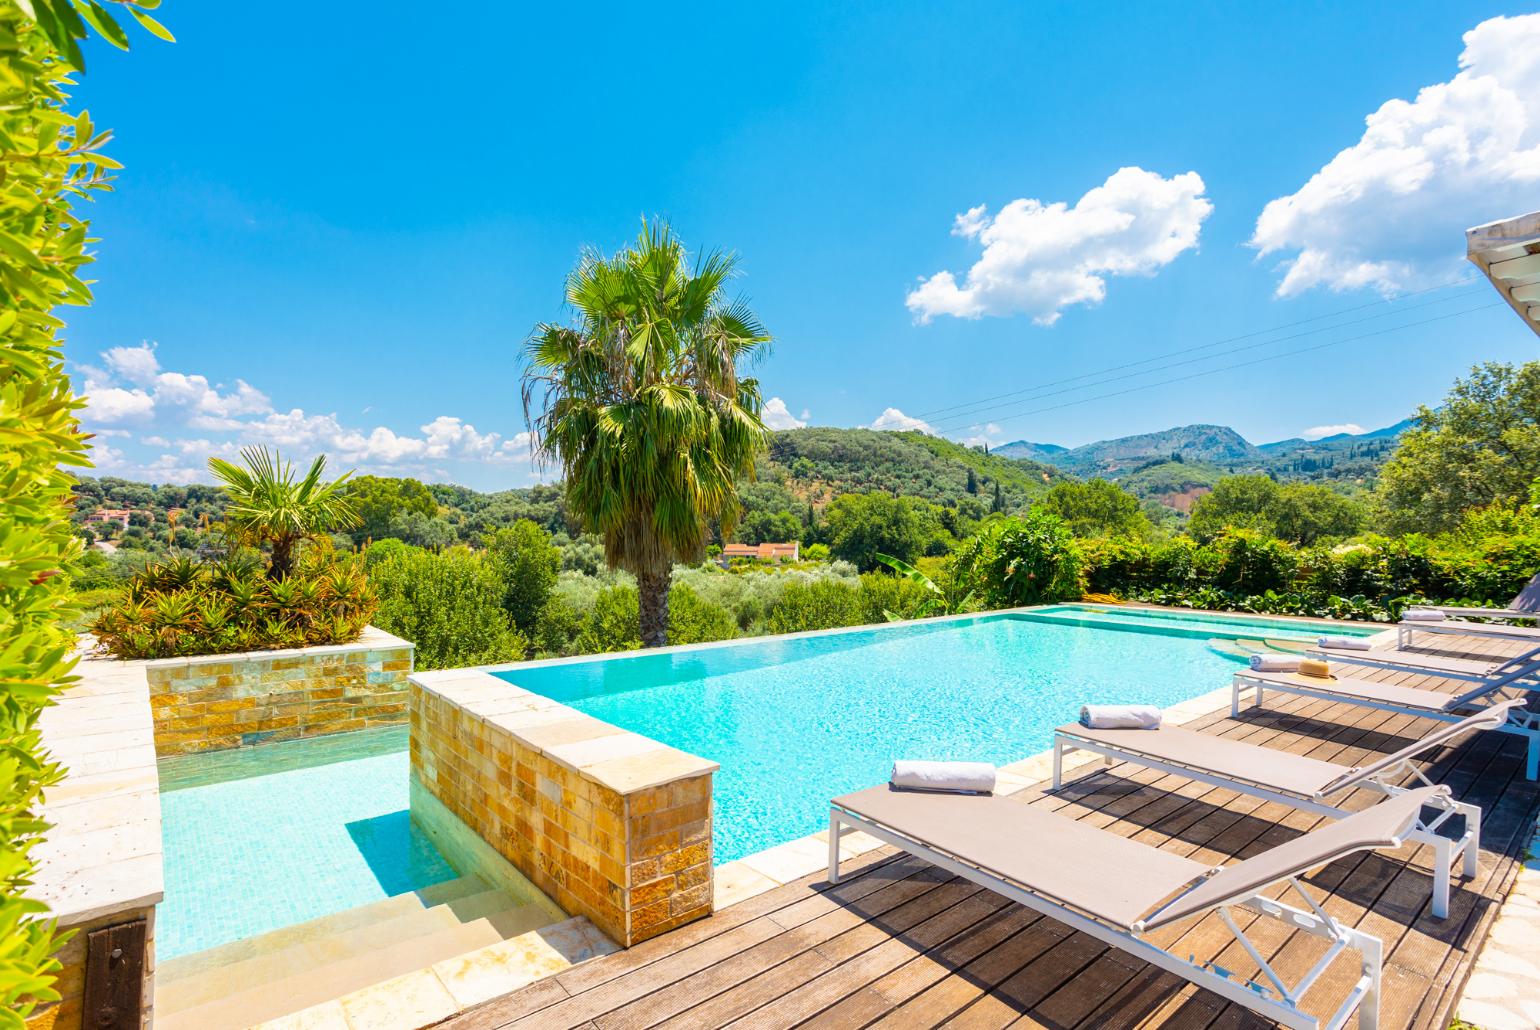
<point x="796" y="721"/>
<point x="1198" y="624"/>
<point x="269" y="836"/>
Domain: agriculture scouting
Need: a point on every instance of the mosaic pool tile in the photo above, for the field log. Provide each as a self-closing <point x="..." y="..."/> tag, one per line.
<point x="284" y="833"/>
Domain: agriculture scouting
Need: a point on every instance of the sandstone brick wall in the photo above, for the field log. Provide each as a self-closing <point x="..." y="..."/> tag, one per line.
<point x="214" y="702"/>
<point x="609" y="824"/>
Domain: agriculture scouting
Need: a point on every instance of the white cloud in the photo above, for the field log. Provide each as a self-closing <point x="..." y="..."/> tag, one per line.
<point x="1316" y="432"/>
<point x="1041" y="258"/>
<point x="193" y="419"/>
<point x="893" y="419"/>
<point x="109" y="404"/>
<point x="1390" y="211"/>
<point x="136" y="364"/>
<point x="777" y="416"/>
<point x="980" y="436"/>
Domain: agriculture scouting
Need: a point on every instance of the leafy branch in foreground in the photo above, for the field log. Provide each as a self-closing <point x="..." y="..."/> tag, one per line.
<point x="50" y="160"/>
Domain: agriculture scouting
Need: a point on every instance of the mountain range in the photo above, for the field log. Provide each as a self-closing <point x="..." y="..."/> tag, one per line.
<point x="1219" y="446"/>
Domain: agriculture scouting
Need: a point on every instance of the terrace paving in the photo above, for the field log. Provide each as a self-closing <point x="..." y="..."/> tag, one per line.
<point x="901" y="943"/>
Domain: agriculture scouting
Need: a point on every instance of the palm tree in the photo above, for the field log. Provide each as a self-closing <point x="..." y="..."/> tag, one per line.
<point x="641" y="404"/>
<point x="267" y="505"/>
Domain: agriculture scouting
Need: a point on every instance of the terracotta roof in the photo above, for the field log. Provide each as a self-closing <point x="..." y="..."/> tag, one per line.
<point x="764" y="552"/>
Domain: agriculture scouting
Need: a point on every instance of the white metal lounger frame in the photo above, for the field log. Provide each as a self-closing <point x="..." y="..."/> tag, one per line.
<point x="1405" y="630"/>
<point x="1521" y="722"/>
<point x="1518" y="670"/>
<point x="1278" y="1002"/>
<point x="1445" y="849"/>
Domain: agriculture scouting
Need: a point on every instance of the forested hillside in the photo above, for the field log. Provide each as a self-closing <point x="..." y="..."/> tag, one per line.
<point x="820" y="464"/>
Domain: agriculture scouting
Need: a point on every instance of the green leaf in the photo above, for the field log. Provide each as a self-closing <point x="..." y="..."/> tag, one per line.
<point x="155" y="28"/>
<point x="104" y="23"/>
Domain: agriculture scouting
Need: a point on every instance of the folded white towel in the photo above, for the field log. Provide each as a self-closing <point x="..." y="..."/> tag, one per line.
<point x="1345" y="644"/>
<point x="956" y="777"/>
<point x="1274" y="663"/>
<point x="1120" y="717"/>
<point x="1422" y="615"/>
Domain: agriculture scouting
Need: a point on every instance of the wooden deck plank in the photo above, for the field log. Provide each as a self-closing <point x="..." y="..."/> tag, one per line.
<point x="899" y="943"/>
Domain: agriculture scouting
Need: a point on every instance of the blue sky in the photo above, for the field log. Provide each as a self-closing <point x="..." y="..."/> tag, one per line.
<point x="333" y="232"/>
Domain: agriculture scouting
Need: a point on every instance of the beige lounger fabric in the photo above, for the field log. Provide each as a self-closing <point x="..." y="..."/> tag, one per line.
<point x="1281" y="772"/>
<point x="1359" y="690"/>
<point x="1378" y="827"/>
<point x="1110" y="878"/>
<point x="1236" y="760"/>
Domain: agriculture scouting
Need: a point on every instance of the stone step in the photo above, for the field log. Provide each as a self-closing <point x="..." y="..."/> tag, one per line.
<point x="198" y="962"/>
<point x="266" y="986"/>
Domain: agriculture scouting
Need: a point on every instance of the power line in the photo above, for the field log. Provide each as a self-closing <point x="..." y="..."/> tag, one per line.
<point x="1216" y="343"/>
<point x="1247" y="364"/>
<point x="966" y="417"/>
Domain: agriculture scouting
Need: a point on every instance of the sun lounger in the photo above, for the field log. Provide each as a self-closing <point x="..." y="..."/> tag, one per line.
<point x="1525" y="605"/>
<point x="1388" y="697"/>
<point x="1118" y="890"/>
<point x="1308" y="784"/>
<point x="1520" y="668"/>
<point x="1406" y="631"/>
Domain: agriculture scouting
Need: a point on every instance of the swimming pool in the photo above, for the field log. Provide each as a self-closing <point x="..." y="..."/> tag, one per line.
<point x="264" y="837"/>
<point x="794" y="721"/>
<point x="1205" y="625"/>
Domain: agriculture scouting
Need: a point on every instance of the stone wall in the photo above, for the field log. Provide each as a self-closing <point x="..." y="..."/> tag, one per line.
<point x="213" y="702"/>
<point x="610" y="824"/>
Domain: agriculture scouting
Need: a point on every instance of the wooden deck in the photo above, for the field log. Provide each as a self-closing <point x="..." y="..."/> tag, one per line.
<point x="903" y="944"/>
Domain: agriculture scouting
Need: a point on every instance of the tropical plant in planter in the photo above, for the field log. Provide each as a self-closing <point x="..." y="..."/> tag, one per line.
<point x="269" y="506"/>
<point x="181" y="606"/>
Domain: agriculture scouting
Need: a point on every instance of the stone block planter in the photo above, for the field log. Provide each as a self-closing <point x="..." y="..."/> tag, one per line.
<point x="215" y="702"/>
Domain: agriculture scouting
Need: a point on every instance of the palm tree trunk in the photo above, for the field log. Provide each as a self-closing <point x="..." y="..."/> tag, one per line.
<point x="652" y="594"/>
<point x="282" y="561"/>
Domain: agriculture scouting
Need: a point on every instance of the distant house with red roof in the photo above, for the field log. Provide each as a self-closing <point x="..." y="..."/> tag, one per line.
<point x="762" y="552"/>
<point x="118" y="515"/>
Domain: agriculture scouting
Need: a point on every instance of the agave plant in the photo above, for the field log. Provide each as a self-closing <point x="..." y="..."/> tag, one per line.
<point x="269" y="506"/>
<point x="178" y="607"/>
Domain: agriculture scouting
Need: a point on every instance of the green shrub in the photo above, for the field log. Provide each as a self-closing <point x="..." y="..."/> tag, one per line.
<point x="529" y="562"/>
<point x="884" y="594"/>
<point x="815" y="552"/>
<point x="612" y="623"/>
<point x="816" y="604"/>
<point x="557" y="628"/>
<point x="381" y="550"/>
<point x="182" y="606"/>
<point x="450" y="604"/>
<point x="1031" y="559"/>
<point x="692" y="620"/>
<point x="1251" y="562"/>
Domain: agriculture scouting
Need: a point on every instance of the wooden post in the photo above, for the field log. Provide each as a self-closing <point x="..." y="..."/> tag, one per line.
<point x="114" y="990"/>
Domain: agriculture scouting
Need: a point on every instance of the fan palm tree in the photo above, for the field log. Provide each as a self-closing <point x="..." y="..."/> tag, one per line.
<point x="268" y="505"/>
<point x="641" y="404"/>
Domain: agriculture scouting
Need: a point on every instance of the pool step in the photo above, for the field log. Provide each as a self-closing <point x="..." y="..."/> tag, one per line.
<point x="243" y="983"/>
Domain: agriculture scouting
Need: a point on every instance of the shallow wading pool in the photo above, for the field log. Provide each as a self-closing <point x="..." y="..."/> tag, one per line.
<point x="795" y="721"/>
<point x="264" y="837"/>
